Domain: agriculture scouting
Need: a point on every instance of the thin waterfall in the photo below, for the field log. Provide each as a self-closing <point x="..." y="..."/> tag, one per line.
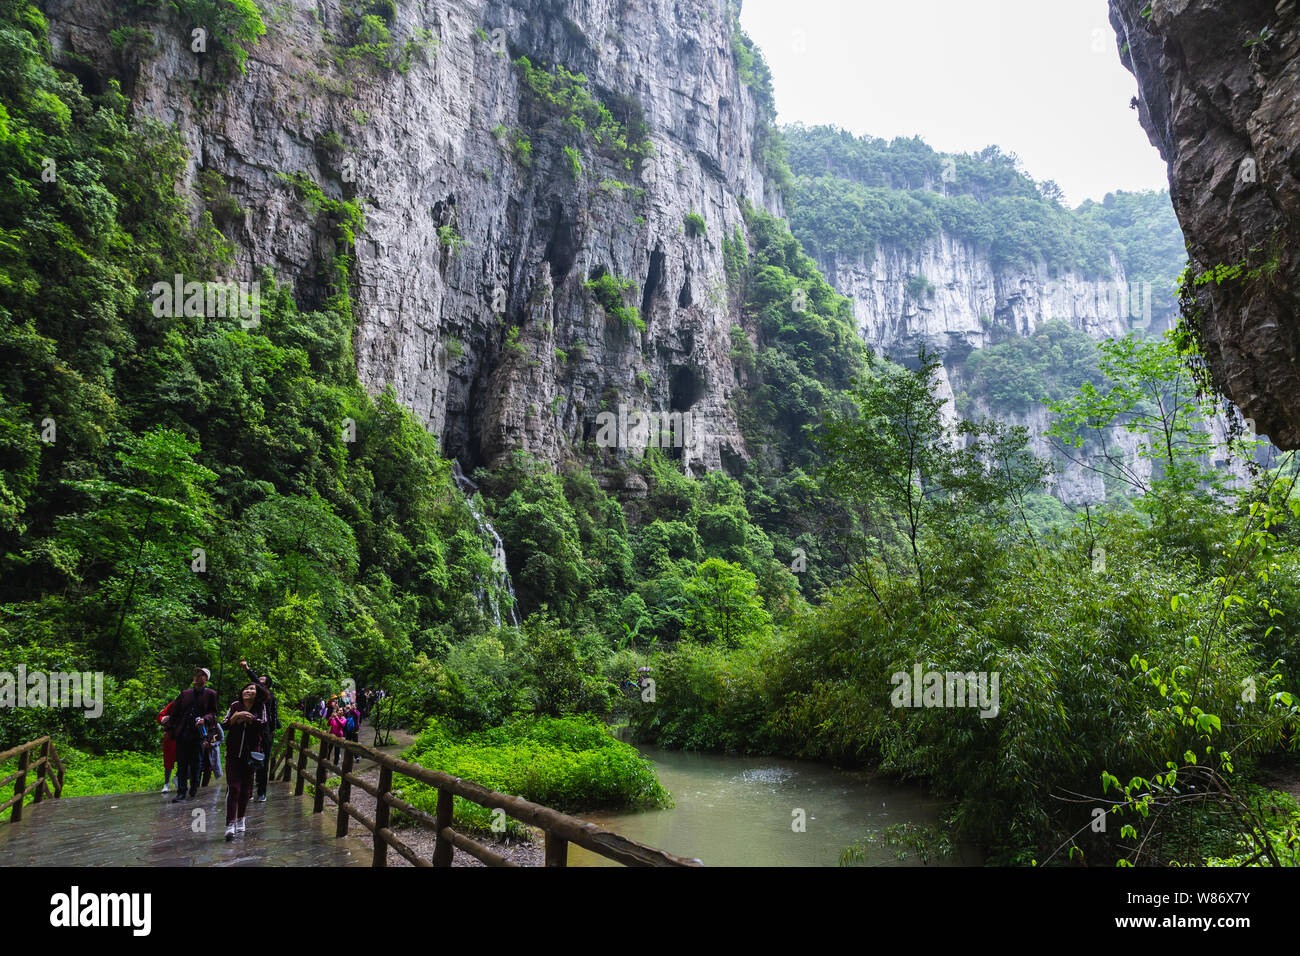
<point x="502" y="581"/>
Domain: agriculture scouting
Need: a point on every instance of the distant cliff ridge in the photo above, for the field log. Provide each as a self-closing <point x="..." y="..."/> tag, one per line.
<point x="958" y="254"/>
<point x="965" y="301"/>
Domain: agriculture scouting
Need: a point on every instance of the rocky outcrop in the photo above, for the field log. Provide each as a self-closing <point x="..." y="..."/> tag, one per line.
<point x="1219" y="96"/>
<point x="965" y="303"/>
<point x="950" y="298"/>
<point x="481" y="232"/>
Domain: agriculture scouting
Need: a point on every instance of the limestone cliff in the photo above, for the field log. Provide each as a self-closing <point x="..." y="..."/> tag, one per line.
<point x="481" y="230"/>
<point x="970" y="304"/>
<point x="1219" y="96"/>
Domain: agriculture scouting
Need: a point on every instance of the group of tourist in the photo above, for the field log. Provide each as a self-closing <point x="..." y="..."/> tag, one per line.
<point x="343" y="718"/>
<point x="193" y="736"/>
<point x="342" y="714"/>
<point x="365" y="700"/>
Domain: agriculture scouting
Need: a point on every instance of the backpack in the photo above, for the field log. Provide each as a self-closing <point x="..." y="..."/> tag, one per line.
<point x="352" y="724"/>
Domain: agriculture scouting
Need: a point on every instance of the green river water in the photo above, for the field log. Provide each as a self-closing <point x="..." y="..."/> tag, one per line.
<point x="739" y="811"/>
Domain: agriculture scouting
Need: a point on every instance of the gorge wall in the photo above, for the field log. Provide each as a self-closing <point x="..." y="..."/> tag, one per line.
<point x="1219" y="96"/>
<point x="970" y="304"/>
<point x="480" y="230"/>
<point x="490" y="204"/>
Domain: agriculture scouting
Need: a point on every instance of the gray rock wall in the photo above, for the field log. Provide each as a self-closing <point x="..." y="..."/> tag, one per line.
<point x="420" y="149"/>
<point x="1219" y="96"/>
<point x="972" y="305"/>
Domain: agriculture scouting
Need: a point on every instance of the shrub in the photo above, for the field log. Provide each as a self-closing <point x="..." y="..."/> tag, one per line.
<point x="568" y="763"/>
<point x="919" y="288"/>
<point x="575" y="162"/>
<point x="450" y="239"/>
<point x="609" y="292"/>
<point x="562" y="95"/>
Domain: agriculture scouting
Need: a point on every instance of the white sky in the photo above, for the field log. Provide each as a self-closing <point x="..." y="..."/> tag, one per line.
<point x="1040" y="78"/>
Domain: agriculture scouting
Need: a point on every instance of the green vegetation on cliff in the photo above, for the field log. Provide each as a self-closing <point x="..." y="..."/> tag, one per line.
<point x="852" y="195"/>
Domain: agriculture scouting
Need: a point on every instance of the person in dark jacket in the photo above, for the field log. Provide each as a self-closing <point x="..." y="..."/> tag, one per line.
<point x="272" y="725"/>
<point x="244" y="724"/>
<point x="192" y="717"/>
<point x="352" y="723"/>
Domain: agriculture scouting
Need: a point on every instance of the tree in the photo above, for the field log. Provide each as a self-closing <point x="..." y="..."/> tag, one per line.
<point x="724" y="604"/>
<point x="139" y="537"/>
<point x="284" y="642"/>
<point x="909" y="478"/>
<point x="564" y="677"/>
<point x="1149" y="392"/>
<point x="888" y="459"/>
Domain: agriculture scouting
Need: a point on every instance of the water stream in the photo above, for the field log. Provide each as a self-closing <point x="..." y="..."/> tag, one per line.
<point x="738" y="811"/>
<point x="488" y="596"/>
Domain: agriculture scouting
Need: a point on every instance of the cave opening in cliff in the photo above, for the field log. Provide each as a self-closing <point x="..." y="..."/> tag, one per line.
<point x="654" y="281"/>
<point x="92" y="84"/>
<point x="683" y="388"/>
<point x="562" y="247"/>
<point x="684" y="297"/>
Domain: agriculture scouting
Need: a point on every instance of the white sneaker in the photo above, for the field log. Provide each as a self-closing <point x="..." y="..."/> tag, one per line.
<point x="262" y="799"/>
<point x="239" y="825"/>
<point x="230" y="832"/>
<point x="166" y="788"/>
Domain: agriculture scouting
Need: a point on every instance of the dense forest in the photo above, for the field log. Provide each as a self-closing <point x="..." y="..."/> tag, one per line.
<point x="177" y="487"/>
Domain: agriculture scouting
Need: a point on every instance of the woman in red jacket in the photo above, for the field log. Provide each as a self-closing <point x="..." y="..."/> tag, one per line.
<point x="244" y="724"/>
<point x="169" y="745"/>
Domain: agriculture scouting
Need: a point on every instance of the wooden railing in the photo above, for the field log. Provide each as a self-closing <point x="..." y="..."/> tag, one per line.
<point x="47" y="761"/>
<point x="560" y="828"/>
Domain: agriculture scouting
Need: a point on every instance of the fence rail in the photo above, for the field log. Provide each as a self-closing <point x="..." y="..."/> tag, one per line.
<point x="560" y="828"/>
<point x="46" y="762"/>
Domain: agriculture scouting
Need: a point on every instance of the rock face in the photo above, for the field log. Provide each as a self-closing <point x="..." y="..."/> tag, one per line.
<point x="968" y="299"/>
<point x="485" y="329"/>
<point x="1219" y="96"/>
<point x="970" y="305"/>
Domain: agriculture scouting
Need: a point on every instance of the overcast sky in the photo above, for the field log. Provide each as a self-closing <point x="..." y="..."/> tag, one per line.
<point x="1039" y="78"/>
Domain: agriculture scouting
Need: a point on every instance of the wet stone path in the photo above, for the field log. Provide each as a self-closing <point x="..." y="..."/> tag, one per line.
<point x="147" y="829"/>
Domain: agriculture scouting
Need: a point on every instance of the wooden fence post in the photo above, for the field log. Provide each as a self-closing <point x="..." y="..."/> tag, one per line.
<point x="302" y="763"/>
<point x="381" y="816"/>
<point x="321" y="772"/>
<point x="345" y="792"/>
<point x="557" y="850"/>
<point x="443" y="850"/>
<point x="42" y="770"/>
<point x="285" y="751"/>
<point x="20" y="785"/>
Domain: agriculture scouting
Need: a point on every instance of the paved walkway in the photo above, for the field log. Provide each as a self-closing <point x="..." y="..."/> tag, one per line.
<point x="147" y="829"/>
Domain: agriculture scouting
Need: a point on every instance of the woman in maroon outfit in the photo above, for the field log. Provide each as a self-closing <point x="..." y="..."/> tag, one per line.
<point x="244" y="723"/>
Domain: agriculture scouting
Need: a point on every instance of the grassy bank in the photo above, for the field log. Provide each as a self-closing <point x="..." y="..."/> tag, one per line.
<point x="569" y="763"/>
